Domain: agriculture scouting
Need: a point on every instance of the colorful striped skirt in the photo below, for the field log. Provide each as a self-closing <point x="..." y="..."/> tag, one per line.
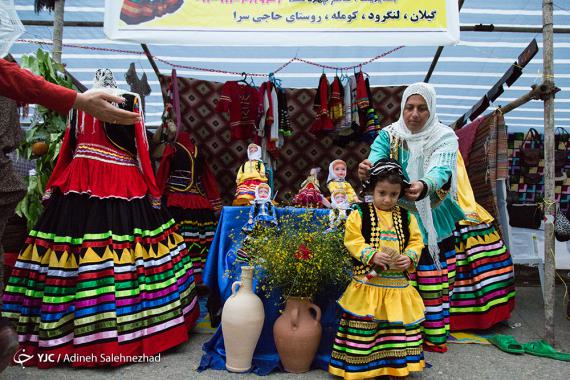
<point x="245" y="192"/>
<point x="436" y="288"/>
<point x="365" y="348"/>
<point x="484" y="291"/>
<point x="197" y="227"/>
<point x="102" y="279"/>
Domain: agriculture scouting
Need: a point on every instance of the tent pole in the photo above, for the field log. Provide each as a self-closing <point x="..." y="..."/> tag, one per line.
<point x="156" y="70"/>
<point x="58" y="30"/>
<point x="549" y="200"/>
<point x="438" y="53"/>
<point x="536" y="93"/>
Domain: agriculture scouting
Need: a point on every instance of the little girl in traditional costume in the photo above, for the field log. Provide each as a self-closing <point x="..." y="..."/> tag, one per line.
<point x="249" y="175"/>
<point x="337" y="180"/>
<point x="379" y="331"/>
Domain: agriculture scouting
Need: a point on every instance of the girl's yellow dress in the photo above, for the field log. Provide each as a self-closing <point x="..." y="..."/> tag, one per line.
<point x="379" y="332"/>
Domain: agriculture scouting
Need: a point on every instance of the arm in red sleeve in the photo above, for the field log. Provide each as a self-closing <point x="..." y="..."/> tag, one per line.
<point x="26" y="87"/>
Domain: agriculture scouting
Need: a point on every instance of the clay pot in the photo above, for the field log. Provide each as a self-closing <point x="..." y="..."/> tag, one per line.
<point x="39" y="148"/>
<point x="297" y="334"/>
<point x="242" y="321"/>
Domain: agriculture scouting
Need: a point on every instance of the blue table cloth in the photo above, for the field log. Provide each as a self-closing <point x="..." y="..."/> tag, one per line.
<point x="221" y="258"/>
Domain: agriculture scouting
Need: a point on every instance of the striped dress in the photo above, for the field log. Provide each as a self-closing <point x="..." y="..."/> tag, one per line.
<point x="484" y="289"/>
<point x="379" y="333"/>
<point x="103" y="275"/>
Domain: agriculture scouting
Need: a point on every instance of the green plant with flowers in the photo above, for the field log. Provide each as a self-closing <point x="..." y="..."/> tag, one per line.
<point x="300" y="257"/>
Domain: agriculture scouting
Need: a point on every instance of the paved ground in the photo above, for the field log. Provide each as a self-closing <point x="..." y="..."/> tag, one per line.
<point x="462" y="361"/>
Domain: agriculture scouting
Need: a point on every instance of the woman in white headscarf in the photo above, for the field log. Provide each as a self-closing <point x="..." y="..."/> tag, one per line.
<point x="427" y="150"/>
<point x="465" y="274"/>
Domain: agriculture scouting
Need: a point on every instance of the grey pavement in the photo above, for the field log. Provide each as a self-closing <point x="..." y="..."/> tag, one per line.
<point x="462" y="361"/>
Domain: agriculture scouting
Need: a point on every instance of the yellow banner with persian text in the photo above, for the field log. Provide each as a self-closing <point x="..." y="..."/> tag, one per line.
<point x="336" y="18"/>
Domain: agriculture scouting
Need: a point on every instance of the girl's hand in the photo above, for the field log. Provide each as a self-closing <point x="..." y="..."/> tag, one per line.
<point x="381" y="259"/>
<point x="402" y="262"/>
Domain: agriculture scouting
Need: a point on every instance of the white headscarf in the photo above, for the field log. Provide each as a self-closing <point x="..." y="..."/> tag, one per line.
<point x="332" y="176"/>
<point x="255" y="155"/>
<point x="257" y="198"/>
<point x="434" y="145"/>
<point x="345" y="205"/>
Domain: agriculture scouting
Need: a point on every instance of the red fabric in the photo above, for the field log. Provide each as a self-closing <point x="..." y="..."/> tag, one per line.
<point x="164" y="168"/>
<point x="361" y="91"/>
<point x="266" y="87"/>
<point x="466" y="136"/>
<point x="23" y="86"/>
<point x="100" y="176"/>
<point x="483" y="321"/>
<point x="188" y="200"/>
<point x="242" y="102"/>
<point x="323" y="122"/>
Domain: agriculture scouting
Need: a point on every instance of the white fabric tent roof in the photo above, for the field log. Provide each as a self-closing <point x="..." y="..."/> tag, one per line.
<point x="463" y="74"/>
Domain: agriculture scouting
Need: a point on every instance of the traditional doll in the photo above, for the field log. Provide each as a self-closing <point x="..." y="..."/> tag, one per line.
<point x="340" y="208"/>
<point x="337" y="180"/>
<point x="261" y="214"/>
<point x="262" y="209"/>
<point x="249" y="176"/>
<point x="310" y="193"/>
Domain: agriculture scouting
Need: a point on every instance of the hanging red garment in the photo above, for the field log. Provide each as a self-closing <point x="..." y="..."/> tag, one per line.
<point x="336" y="105"/>
<point x="323" y="122"/>
<point x="243" y="104"/>
<point x="361" y="91"/>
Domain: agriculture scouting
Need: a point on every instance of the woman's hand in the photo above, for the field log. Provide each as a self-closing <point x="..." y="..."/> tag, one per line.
<point x="381" y="259"/>
<point x="97" y="104"/>
<point x="413" y="192"/>
<point x="402" y="262"/>
<point x="363" y="169"/>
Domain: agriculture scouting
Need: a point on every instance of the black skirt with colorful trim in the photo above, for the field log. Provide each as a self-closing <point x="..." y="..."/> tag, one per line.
<point x="105" y="279"/>
<point x="197" y="227"/>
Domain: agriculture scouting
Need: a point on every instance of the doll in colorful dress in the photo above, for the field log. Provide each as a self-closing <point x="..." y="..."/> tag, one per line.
<point x="340" y="208"/>
<point x="249" y="176"/>
<point x="261" y="214"/>
<point x="337" y="180"/>
<point x="310" y="193"/>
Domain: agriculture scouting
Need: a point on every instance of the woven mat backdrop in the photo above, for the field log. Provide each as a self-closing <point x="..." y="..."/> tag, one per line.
<point x="302" y="151"/>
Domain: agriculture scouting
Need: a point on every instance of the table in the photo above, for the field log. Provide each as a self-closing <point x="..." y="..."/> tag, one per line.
<point x="221" y="257"/>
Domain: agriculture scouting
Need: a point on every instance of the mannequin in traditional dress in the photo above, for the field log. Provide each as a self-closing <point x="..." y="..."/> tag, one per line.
<point x="340" y="208"/>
